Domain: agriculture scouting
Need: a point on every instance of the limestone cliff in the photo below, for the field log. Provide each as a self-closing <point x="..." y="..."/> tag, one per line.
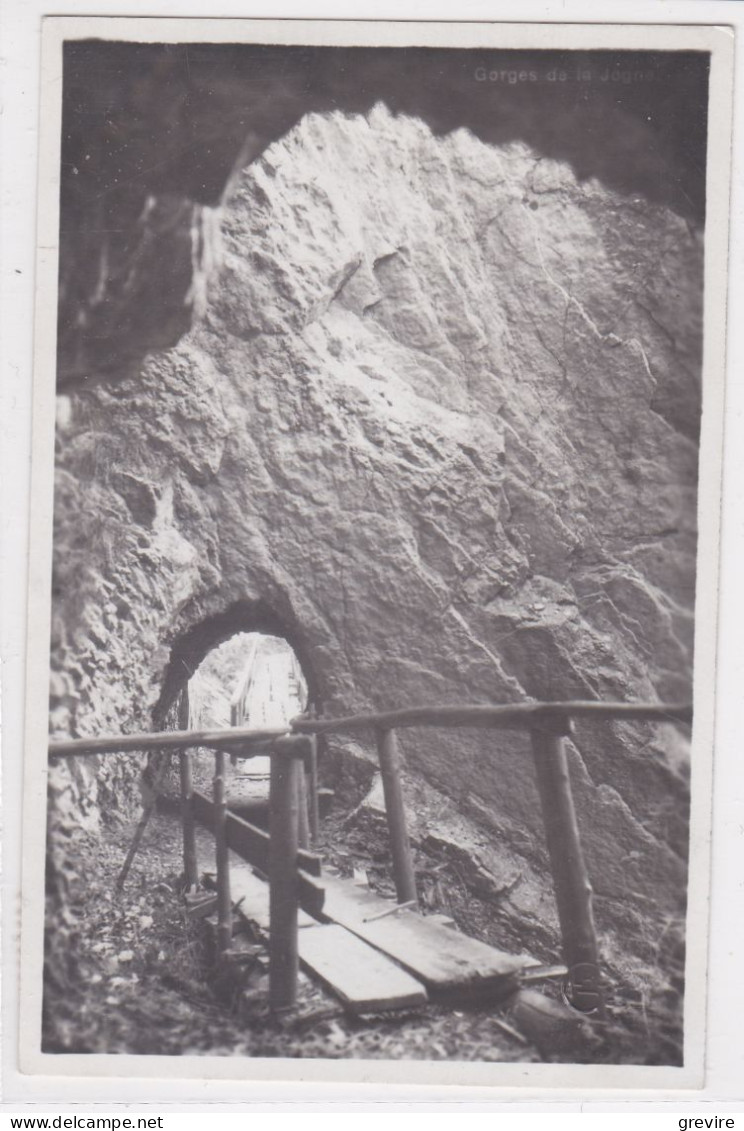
<point x="437" y="427"/>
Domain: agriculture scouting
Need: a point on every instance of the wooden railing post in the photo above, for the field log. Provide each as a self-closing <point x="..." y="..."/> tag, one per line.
<point x="224" y="902"/>
<point x="283" y="894"/>
<point x="403" y="872"/>
<point x="312" y="786"/>
<point x="573" y="890"/>
<point x="303" y="821"/>
<point x="190" y="862"/>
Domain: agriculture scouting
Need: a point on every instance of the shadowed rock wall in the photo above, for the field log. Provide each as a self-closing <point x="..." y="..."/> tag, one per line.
<point x="436" y="425"/>
<point x="152" y="134"/>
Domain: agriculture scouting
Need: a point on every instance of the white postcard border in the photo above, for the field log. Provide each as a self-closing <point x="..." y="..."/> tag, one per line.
<point x="511" y="35"/>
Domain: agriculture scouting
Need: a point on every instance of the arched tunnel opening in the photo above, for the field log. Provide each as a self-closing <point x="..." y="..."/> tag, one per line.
<point x="253" y="681"/>
<point x="241" y="668"/>
<point x="242" y="622"/>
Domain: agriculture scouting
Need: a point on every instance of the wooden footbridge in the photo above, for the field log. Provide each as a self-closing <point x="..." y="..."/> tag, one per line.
<point x="375" y="954"/>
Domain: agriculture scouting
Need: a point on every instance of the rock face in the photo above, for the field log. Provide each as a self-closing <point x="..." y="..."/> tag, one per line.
<point x="153" y="133"/>
<point x="437" y="427"/>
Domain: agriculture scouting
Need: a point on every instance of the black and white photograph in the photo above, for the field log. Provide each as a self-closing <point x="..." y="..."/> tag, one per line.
<point x="378" y="613"/>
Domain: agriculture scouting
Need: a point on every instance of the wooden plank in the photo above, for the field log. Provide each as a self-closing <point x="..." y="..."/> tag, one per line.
<point x="200" y="906"/>
<point x="363" y="978"/>
<point x="249" y="841"/>
<point x="445" y="961"/>
<point x="246" y="885"/>
<point x="251" y="895"/>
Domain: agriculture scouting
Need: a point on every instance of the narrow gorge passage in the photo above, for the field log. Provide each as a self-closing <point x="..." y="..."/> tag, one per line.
<point x="404" y="375"/>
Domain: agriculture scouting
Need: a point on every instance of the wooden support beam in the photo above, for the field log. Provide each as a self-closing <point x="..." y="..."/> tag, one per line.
<point x="403" y="872"/>
<point x="148" y="808"/>
<point x="311" y="894"/>
<point x="224" y="903"/>
<point x="249" y="841"/>
<point x="573" y="890"/>
<point x="283" y="894"/>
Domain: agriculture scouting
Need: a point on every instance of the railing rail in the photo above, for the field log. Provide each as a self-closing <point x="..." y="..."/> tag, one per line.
<point x="547" y="723"/>
<point x="509" y="716"/>
<point x="506" y="716"/>
<point x="166" y="740"/>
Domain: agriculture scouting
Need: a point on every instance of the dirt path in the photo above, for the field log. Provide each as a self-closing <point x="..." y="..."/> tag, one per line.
<point x="146" y="982"/>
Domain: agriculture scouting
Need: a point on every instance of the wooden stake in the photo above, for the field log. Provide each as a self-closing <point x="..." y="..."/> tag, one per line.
<point x="224" y="903"/>
<point x="283" y="892"/>
<point x="403" y="872"/>
<point x="573" y="890"/>
<point x="190" y="861"/>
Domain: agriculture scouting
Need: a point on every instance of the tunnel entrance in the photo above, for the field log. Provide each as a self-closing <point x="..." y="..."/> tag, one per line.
<point x="252" y="680"/>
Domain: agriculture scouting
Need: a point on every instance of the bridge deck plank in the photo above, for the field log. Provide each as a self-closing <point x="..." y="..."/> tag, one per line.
<point x="447" y="962"/>
<point x="363" y="978"/>
<point x="359" y="975"/>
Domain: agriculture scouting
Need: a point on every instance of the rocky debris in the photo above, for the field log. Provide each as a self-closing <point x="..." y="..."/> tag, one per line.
<point x="436" y="428"/>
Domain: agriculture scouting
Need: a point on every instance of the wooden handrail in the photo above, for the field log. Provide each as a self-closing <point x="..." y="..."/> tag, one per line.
<point x="502" y="716"/>
<point x="547" y="724"/>
<point x="167" y="740"/>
